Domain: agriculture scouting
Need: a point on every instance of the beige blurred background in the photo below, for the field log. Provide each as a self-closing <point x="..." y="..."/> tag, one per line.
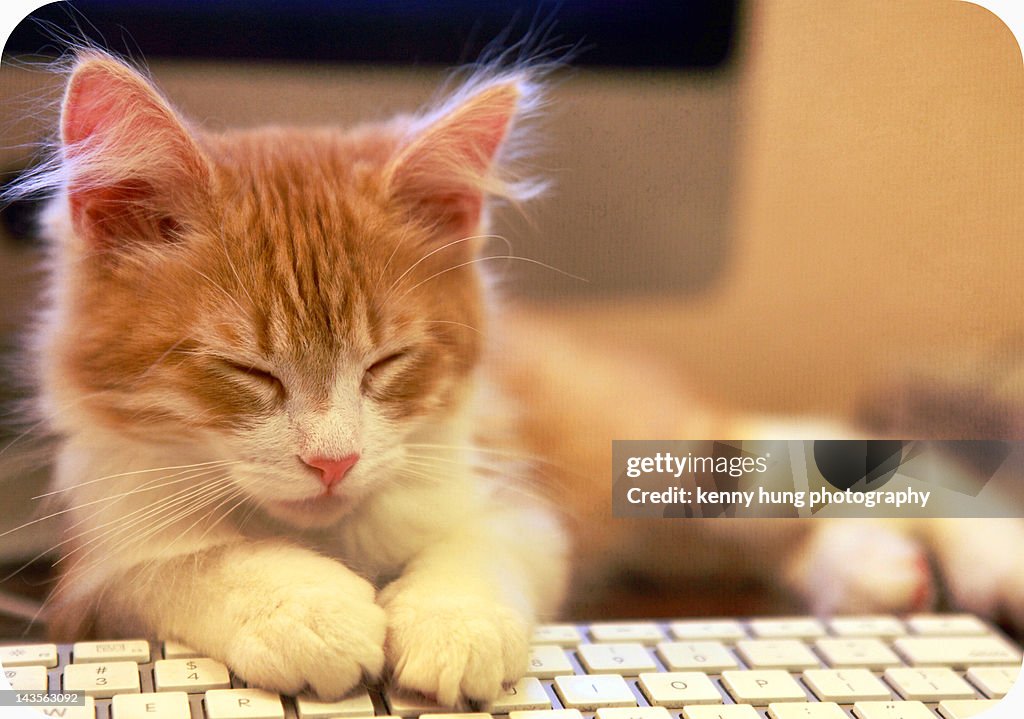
<point x="839" y="207"/>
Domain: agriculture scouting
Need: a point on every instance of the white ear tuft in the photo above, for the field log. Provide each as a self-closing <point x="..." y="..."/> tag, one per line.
<point x="456" y="156"/>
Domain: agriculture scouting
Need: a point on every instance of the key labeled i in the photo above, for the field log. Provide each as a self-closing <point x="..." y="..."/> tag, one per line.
<point x="589" y="693"/>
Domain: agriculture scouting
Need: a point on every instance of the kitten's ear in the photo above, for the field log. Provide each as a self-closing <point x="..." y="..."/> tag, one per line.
<point x="132" y="169"/>
<point x="448" y="166"/>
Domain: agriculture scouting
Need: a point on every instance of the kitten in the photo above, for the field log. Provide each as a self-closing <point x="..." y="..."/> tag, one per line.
<point x="262" y="354"/>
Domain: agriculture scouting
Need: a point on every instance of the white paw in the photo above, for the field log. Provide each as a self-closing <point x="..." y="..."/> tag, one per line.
<point x="455" y="649"/>
<point x="853" y="567"/>
<point x="325" y="633"/>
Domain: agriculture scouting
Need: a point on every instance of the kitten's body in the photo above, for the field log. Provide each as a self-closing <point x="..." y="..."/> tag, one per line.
<point x="232" y="311"/>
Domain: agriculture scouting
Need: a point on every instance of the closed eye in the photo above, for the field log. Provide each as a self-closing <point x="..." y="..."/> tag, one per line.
<point x="386" y="362"/>
<point x="381" y="367"/>
<point x="263" y="376"/>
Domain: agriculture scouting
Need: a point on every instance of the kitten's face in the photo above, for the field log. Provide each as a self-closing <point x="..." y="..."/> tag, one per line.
<point x="292" y="297"/>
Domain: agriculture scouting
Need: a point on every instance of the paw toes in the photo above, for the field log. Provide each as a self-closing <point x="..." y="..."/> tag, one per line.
<point x="482" y="681"/>
<point x="456" y="653"/>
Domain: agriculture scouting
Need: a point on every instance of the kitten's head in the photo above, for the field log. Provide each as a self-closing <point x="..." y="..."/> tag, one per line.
<point x="303" y="303"/>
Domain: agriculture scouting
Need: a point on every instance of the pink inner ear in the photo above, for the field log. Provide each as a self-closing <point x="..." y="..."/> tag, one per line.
<point x="478" y="136"/>
<point x="83" y="110"/>
<point x="444" y="171"/>
<point x="129" y="155"/>
<point x="105" y="98"/>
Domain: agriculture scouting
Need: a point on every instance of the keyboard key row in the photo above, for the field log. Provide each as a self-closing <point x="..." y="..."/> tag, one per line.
<point x="632" y="658"/>
<point x="105" y="679"/>
<point x="731" y="631"/>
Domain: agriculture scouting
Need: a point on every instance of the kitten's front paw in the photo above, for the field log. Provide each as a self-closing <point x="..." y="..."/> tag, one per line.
<point x="453" y="648"/>
<point x="851" y="568"/>
<point x="326" y="634"/>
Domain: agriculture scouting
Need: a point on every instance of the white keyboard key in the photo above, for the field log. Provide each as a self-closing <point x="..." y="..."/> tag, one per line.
<point x="167" y="705"/>
<point x="787" y="628"/>
<point x="102" y="680"/>
<point x="133" y="650"/>
<point x="87" y="711"/>
<point x="776" y="654"/>
<point x="459" y="715"/>
<point x="846" y="686"/>
<point x="634" y="713"/>
<point x="727" y="711"/>
<point x="548" y="661"/>
<point x="528" y="694"/>
<point x="994" y="682"/>
<point x="26" y="655"/>
<point x="190" y="675"/>
<point x="947" y="625"/>
<point x="642" y="632"/>
<point x="762" y="687"/>
<point x="892" y="710"/>
<point x="721" y="631"/>
<point x="711" y="657"/>
<point x="407" y="704"/>
<point x="27" y="679"/>
<point x="817" y="710"/>
<point x="243" y="704"/>
<point x="356" y="704"/>
<point x="965" y="708"/>
<point x="677" y="689"/>
<point x="956" y="652"/>
<point x="589" y="693"/>
<point x="928" y="684"/>
<point x="177" y="650"/>
<point x="879" y="627"/>
<point x="564" y="635"/>
<point x="864" y="653"/>
<point x="547" y="714"/>
<point x="627" y="659"/>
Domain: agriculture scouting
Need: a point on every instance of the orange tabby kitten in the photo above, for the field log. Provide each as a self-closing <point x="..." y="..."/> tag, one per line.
<point x="262" y="355"/>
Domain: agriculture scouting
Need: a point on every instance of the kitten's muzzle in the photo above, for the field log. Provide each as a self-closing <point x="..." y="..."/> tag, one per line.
<point x="331" y="470"/>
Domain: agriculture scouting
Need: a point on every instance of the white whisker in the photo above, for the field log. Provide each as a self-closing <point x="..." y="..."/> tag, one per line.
<point x="492" y="257"/>
<point x="445" y="246"/>
<point x="219" y="462"/>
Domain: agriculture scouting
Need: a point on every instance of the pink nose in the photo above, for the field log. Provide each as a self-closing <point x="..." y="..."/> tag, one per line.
<point x="331" y="470"/>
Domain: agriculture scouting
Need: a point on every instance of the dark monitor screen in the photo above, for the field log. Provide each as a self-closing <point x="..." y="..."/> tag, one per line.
<point x="679" y="34"/>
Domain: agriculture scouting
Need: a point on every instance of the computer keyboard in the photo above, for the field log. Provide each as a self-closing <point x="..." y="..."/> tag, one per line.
<point x="879" y="667"/>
